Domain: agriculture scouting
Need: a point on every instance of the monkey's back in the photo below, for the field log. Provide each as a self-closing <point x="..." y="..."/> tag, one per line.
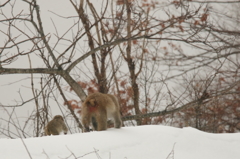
<point x="55" y="126"/>
<point x="110" y="101"/>
<point x="100" y="107"/>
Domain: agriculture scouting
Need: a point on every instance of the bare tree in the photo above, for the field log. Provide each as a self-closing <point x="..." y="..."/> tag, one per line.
<point x="149" y="53"/>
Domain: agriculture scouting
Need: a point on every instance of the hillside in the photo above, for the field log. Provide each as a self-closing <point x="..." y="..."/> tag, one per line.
<point x="142" y="142"/>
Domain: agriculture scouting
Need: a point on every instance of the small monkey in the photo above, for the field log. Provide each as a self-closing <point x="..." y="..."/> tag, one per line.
<point x="97" y="108"/>
<point x="55" y="126"/>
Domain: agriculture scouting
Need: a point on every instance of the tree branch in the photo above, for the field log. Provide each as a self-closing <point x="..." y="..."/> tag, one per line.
<point x="28" y="71"/>
<point x="185" y="106"/>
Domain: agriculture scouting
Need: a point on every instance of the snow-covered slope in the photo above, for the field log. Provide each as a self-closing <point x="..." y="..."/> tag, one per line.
<point x="142" y="142"/>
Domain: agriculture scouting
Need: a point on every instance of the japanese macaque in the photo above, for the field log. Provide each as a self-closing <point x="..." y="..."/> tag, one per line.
<point x="56" y="126"/>
<point x="96" y="110"/>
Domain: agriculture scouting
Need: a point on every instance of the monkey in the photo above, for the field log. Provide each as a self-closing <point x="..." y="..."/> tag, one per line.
<point x="97" y="108"/>
<point x="55" y="126"/>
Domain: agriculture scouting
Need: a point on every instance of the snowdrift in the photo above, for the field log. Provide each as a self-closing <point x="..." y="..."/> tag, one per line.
<point x="141" y="142"/>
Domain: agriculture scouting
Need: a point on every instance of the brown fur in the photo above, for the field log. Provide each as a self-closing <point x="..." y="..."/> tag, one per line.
<point x="100" y="107"/>
<point x="55" y="126"/>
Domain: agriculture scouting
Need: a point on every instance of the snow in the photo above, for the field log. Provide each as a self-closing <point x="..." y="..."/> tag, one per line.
<point x="141" y="142"/>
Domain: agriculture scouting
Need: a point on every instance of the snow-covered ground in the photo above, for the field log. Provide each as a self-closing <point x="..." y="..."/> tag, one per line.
<point x="141" y="142"/>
